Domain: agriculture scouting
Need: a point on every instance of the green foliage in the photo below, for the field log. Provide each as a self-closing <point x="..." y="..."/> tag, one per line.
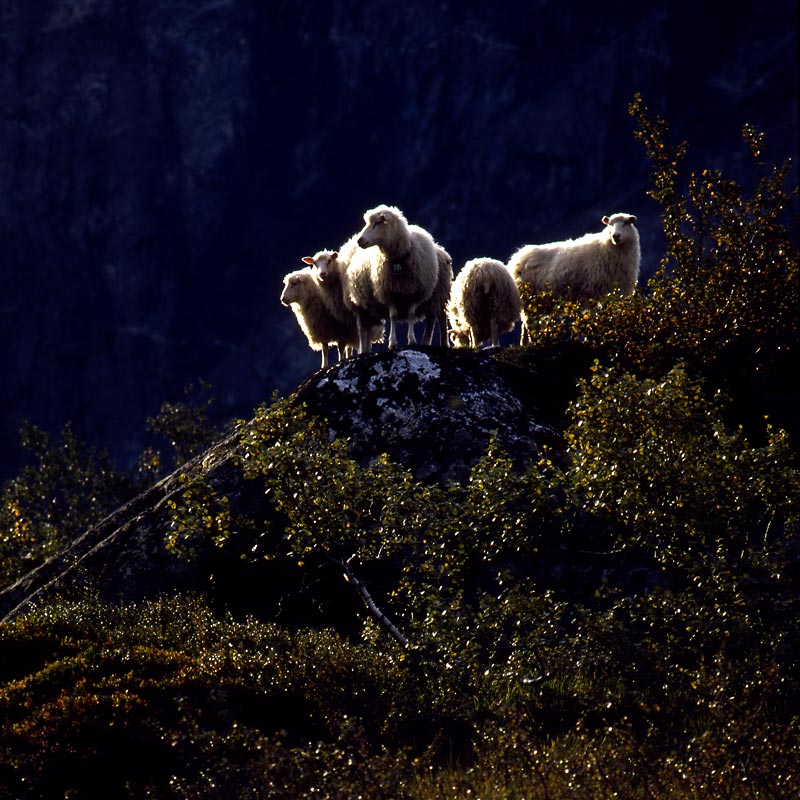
<point x="654" y="457"/>
<point x="198" y="516"/>
<point x="513" y="684"/>
<point x="653" y="472"/>
<point x="66" y="489"/>
<point x="69" y="486"/>
<point x="164" y="699"/>
<point x="186" y="426"/>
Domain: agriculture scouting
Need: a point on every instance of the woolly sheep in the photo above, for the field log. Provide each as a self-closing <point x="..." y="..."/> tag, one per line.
<point x="484" y="303"/>
<point x="328" y="269"/>
<point x="354" y="266"/>
<point x="399" y="274"/>
<point x="434" y="309"/>
<point x="583" y="269"/>
<point x="301" y="292"/>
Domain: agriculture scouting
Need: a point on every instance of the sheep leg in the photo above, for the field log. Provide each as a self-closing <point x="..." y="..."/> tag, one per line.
<point x="427" y="334"/>
<point x="524" y="337"/>
<point x="364" y="343"/>
<point x="495" y="334"/>
<point x="444" y="339"/>
<point x="473" y="338"/>
<point x="411" y="338"/>
<point x="324" y="355"/>
<point x="392" y="344"/>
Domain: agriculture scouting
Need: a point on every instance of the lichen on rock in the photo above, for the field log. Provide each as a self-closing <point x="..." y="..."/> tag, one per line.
<point x="431" y="410"/>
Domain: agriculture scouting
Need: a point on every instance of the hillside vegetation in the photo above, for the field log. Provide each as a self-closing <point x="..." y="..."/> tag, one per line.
<point x="619" y="618"/>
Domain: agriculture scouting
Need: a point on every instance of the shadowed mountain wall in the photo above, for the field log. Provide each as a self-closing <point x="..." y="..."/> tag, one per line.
<point x="163" y="164"/>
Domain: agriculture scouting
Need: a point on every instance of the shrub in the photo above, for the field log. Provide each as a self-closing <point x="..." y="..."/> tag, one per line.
<point x="725" y="295"/>
<point x="164" y="699"/>
<point x="186" y="426"/>
<point x="654" y="456"/>
<point x="66" y="489"/>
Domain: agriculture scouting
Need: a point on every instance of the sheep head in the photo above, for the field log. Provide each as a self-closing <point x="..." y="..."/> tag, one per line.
<point x="619" y="227"/>
<point x="377" y="222"/>
<point x="460" y="337"/>
<point x="295" y="286"/>
<point x="325" y="264"/>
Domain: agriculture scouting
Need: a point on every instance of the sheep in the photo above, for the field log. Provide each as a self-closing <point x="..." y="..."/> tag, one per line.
<point x="484" y="303"/>
<point x="348" y="289"/>
<point x="395" y="273"/>
<point x="328" y="269"/>
<point x="301" y="292"/>
<point x="434" y="309"/>
<point x="582" y="269"/>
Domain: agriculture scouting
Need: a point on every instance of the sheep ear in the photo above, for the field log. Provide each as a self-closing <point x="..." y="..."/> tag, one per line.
<point x="632" y="219"/>
<point x="307" y="260"/>
<point x="605" y="220"/>
<point x="335" y="254"/>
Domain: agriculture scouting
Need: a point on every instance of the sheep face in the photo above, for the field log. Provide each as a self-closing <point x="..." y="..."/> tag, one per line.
<point x="295" y="287"/>
<point x="619" y="228"/>
<point x="378" y="222"/>
<point x="324" y="263"/>
<point x="460" y="337"/>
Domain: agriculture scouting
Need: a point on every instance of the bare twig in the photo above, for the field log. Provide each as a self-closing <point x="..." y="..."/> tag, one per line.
<point x="372" y="607"/>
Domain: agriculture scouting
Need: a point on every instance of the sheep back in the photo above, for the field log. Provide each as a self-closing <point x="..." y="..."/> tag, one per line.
<point x="355" y="268"/>
<point x="484" y="296"/>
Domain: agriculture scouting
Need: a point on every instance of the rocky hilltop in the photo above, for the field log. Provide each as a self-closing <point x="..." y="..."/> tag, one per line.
<point x="163" y="164"/>
<point x="432" y="411"/>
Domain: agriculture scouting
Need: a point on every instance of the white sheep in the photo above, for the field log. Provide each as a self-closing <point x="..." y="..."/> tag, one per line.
<point x="434" y="309"/>
<point x="329" y="268"/>
<point x="484" y="303"/>
<point x="301" y="292"/>
<point x="582" y="269"/>
<point x="353" y="267"/>
<point x="395" y="272"/>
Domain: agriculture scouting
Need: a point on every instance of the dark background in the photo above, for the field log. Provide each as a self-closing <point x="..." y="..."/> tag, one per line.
<point x="164" y="164"/>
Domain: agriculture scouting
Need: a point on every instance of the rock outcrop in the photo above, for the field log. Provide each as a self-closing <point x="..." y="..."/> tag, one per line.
<point x="432" y="410"/>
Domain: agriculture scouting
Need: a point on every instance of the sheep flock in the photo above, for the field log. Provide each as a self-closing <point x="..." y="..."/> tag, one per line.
<point x="394" y="271"/>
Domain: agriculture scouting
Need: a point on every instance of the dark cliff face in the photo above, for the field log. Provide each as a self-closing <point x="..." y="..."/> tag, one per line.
<point x="163" y="164"/>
